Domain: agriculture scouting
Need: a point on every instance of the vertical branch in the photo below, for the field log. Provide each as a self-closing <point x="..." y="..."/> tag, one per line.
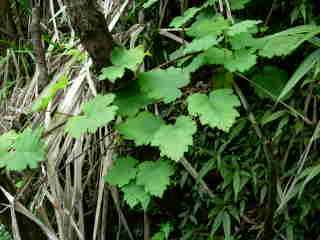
<point x="39" y="52"/>
<point x="92" y="29"/>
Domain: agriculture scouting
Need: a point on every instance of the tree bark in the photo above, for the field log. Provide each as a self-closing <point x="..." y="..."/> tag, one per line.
<point x="92" y="29"/>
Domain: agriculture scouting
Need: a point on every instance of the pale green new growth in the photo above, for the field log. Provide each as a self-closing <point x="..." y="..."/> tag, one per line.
<point x="122" y="59"/>
<point x="122" y="172"/>
<point x="164" y="84"/>
<point x="96" y="113"/>
<point x="22" y="151"/>
<point x="238" y="4"/>
<point x="155" y="176"/>
<point x="241" y="60"/>
<point x="174" y="140"/>
<point x="141" y="129"/>
<point x="217" y="110"/>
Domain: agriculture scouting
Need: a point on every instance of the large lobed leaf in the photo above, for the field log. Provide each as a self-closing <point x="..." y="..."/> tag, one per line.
<point x="96" y="113"/>
<point x="217" y="110"/>
<point x="174" y="140"/>
<point x="22" y="151"/>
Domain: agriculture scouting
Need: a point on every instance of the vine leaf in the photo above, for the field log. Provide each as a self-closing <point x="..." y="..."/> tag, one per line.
<point x="25" y="150"/>
<point x="112" y="73"/>
<point x="122" y="59"/>
<point x="216" y="110"/>
<point x="122" y="172"/>
<point x="141" y="129"/>
<point x="49" y="93"/>
<point x="164" y="84"/>
<point x="135" y="194"/>
<point x="130" y="100"/>
<point x="97" y="113"/>
<point x="155" y="176"/>
<point x="174" y="140"/>
<point x="187" y="15"/>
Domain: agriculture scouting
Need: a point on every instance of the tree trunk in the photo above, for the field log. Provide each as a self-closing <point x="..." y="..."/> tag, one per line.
<point x="92" y="29"/>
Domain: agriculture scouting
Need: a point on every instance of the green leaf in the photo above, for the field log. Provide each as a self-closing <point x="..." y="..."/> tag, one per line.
<point x="111" y="73"/>
<point x="200" y="44"/>
<point x="128" y="58"/>
<point x="217" y="110"/>
<point x="155" y="176"/>
<point x="301" y="71"/>
<point x="122" y="172"/>
<point x="285" y="42"/>
<point x="242" y="60"/>
<point x="226" y="221"/>
<point x="49" y="93"/>
<point x="217" y="55"/>
<point x="164" y="84"/>
<point x="28" y="150"/>
<point x="242" y="27"/>
<point x="174" y="140"/>
<point x="187" y="15"/>
<point x="208" y="26"/>
<point x="141" y="129"/>
<point x="130" y="100"/>
<point x="238" y="4"/>
<point x="135" y="194"/>
<point x="216" y="223"/>
<point x="97" y="113"/>
<point x="270" y="82"/>
<point x="241" y="40"/>
<point x="149" y="3"/>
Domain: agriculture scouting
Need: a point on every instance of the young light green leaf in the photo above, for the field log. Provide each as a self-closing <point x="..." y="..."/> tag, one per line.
<point x="97" y="113"/>
<point x="164" y="84"/>
<point x="112" y="73"/>
<point x="141" y="129"/>
<point x="241" y="40"/>
<point x="242" y="27"/>
<point x="155" y="176"/>
<point x="128" y="58"/>
<point x="226" y="222"/>
<point x="187" y="15"/>
<point x="130" y="100"/>
<point x="217" y="110"/>
<point x="301" y="71"/>
<point x="49" y="93"/>
<point x="174" y="140"/>
<point x="200" y="44"/>
<point x="122" y="172"/>
<point x="208" y="26"/>
<point x="27" y="151"/>
<point x="135" y="194"/>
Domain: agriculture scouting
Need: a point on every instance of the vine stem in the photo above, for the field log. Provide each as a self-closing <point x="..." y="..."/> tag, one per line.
<point x="272" y="169"/>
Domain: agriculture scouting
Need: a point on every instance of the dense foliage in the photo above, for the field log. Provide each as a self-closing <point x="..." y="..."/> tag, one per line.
<point x="204" y="125"/>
